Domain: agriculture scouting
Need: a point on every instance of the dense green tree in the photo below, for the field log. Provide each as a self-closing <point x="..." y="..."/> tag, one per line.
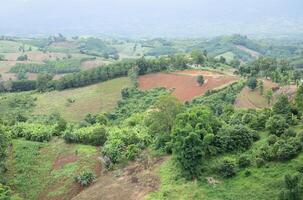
<point x="222" y="60"/>
<point x="2" y="57"/>
<point x="189" y="155"/>
<point x="161" y="120"/>
<point x="299" y="98"/>
<point x="232" y="138"/>
<point x="235" y="63"/>
<point x="261" y="87"/>
<point x="282" y="107"/>
<point x="190" y="129"/>
<point x="43" y="82"/>
<point x="269" y="96"/>
<point x="22" y="58"/>
<point x="252" y="83"/>
<point x="276" y="125"/>
<point x="4" y="142"/>
<point x="227" y="168"/>
<point x="293" y="188"/>
<point x="200" y="80"/>
<point x="197" y="57"/>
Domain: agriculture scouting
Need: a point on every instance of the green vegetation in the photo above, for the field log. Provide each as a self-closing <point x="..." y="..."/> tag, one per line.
<point x="55" y="67"/>
<point x="53" y="139"/>
<point x="86" y="178"/>
<point x="200" y="80"/>
<point x="74" y="104"/>
<point x="34" y="169"/>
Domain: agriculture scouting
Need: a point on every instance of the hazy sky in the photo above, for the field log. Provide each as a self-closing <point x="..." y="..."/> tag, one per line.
<point x="151" y="17"/>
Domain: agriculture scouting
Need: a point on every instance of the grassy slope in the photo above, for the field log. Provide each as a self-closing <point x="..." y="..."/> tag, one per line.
<point x="264" y="183"/>
<point x="31" y="169"/>
<point x="91" y="99"/>
<point x="229" y="56"/>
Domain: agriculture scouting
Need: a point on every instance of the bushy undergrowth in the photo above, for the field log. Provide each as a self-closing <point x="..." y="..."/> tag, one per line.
<point x="85" y="178"/>
<point x="135" y="101"/>
<point x="94" y="135"/>
<point x="33" y="131"/>
<point x="125" y="143"/>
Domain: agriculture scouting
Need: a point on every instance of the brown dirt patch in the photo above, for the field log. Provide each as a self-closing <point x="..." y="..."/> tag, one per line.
<point x="66" y="44"/>
<point x="198" y="72"/>
<point x="8" y="76"/>
<point x="90" y="64"/>
<point x="247" y="50"/>
<point x="253" y="99"/>
<point x="62" y="160"/>
<point x="133" y="182"/>
<point x="185" y="87"/>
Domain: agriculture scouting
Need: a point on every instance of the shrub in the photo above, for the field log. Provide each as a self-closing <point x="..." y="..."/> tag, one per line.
<point x="244" y="161"/>
<point x="289" y="133"/>
<point x="292" y="189"/>
<point x="300" y="136"/>
<point x="252" y="83"/>
<point x="60" y="127"/>
<point x="5" y="192"/>
<point x="233" y="138"/>
<point x="22" y="58"/>
<point x="266" y="153"/>
<point x="276" y="125"/>
<point x="260" y="162"/>
<point x="227" y="168"/>
<point x="125" y="143"/>
<point x="94" y="135"/>
<point x="102" y="119"/>
<point x="272" y="139"/>
<point x="132" y="151"/>
<point x="85" y="178"/>
<point x="189" y="155"/>
<point x="287" y="149"/>
<point x="200" y="80"/>
<point x="247" y="173"/>
<point x="33" y="131"/>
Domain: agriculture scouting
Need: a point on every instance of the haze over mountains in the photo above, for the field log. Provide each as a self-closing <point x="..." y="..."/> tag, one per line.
<point x="153" y="18"/>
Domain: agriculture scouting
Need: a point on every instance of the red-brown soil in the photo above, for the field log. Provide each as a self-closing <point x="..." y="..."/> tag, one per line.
<point x="184" y="83"/>
<point x="62" y="160"/>
<point x="133" y="182"/>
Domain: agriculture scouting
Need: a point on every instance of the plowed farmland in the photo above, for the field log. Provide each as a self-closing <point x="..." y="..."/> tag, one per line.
<point x="184" y="83"/>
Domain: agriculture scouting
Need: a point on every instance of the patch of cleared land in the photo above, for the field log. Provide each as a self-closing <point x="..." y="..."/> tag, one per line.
<point x="247" y="50"/>
<point x="229" y="56"/>
<point x="93" y="99"/>
<point x="133" y="182"/>
<point x="12" y="47"/>
<point x="90" y="64"/>
<point x="253" y="99"/>
<point x="184" y="83"/>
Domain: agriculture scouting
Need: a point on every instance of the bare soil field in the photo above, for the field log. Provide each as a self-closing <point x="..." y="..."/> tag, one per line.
<point x="253" y="99"/>
<point x="66" y="44"/>
<point x="90" y="64"/>
<point x="133" y="182"/>
<point x="184" y="83"/>
<point x="250" y="51"/>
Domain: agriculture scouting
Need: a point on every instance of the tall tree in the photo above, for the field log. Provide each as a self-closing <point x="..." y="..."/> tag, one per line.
<point x="299" y="98"/>
<point x="43" y="81"/>
<point x="197" y="57"/>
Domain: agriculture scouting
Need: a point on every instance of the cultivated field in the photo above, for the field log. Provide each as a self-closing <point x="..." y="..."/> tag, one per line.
<point x="184" y="83"/>
<point x="74" y="104"/>
<point x="252" y="98"/>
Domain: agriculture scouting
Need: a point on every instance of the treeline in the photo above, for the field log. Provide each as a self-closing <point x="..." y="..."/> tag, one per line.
<point x="280" y="71"/>
<point x="54" y="67"/>
<point x="99" y="74"/>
